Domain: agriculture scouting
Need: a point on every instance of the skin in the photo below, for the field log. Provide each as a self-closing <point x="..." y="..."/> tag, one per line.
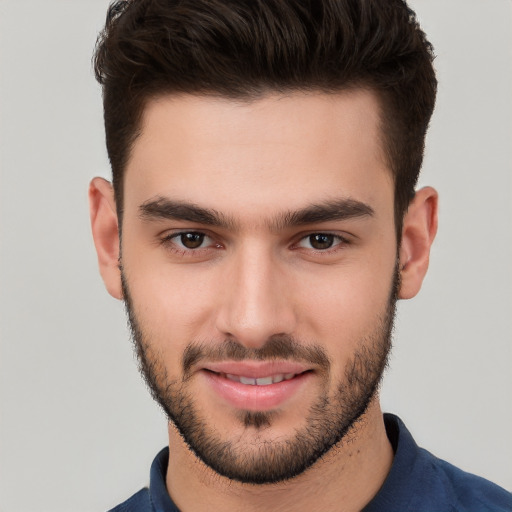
<point x="253" y="162"/>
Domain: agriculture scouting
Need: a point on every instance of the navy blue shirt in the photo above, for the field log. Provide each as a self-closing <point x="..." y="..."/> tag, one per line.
<point x="417" y="482"/>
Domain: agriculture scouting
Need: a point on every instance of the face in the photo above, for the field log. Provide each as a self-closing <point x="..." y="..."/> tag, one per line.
<point x="259" y="272"/>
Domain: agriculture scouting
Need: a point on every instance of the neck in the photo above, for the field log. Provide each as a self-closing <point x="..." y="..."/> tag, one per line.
<point x="345" y="479"/>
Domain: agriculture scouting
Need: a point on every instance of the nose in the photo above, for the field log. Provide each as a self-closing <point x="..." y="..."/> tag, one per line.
<point x="256" y="301"/>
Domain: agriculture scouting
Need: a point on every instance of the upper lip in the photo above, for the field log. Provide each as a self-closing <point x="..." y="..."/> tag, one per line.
<point x="256" y="369"/>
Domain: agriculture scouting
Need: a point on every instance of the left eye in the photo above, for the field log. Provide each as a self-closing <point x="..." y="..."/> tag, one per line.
<point x="190" y="240"/>
<point x="320" y="241"/>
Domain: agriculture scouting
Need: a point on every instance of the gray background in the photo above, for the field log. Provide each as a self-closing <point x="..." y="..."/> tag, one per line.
<point x="78" y="430"/>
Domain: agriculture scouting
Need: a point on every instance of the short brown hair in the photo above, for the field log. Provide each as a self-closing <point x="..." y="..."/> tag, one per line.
<point x="244" y="48"/>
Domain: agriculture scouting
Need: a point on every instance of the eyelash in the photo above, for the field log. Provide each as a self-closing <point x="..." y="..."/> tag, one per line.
<point x="340" y="243"/>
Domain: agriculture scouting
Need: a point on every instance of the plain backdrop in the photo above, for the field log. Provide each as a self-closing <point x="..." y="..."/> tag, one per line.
<point x="78" y="429"/>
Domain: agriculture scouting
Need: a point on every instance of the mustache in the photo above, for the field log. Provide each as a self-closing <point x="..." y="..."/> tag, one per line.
<point x="278" y="347"/>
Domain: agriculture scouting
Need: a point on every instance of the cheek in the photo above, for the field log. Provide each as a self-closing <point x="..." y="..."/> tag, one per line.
<point x="346" y="309"/>
<point x="173" y="302"/>
<point x="171" y="312"/>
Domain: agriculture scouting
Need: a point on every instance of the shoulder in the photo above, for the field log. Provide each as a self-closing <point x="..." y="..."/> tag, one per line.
<point x="420" y="482"/>
<point x="139" y="502"/>
<point x="464" y="491"/>
<point x="155" y="497"/>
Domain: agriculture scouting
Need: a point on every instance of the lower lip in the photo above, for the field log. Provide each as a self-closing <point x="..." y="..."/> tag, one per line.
<point x="255" y="398"/>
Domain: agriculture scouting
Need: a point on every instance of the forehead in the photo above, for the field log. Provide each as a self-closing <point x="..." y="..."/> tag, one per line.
<point x="284" y="150"/>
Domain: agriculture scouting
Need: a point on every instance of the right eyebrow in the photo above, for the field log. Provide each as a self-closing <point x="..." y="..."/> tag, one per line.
<point x="163" y="208"/>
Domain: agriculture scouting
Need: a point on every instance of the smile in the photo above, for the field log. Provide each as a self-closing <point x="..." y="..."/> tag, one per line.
<point x="256" y="386"/>
<point x="261" y="381"/>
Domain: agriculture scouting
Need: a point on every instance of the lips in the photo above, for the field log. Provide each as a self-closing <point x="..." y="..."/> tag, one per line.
<point x="254" y="385"/>
<point x="261" y="381"/>
<point x="257" y="369"/>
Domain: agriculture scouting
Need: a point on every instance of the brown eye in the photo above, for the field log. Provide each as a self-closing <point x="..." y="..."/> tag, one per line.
<point x="321" y="241"/>
<point x="192" y="240"/>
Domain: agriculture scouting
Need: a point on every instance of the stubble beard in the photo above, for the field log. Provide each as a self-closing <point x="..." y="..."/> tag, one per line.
<point x="252" y="459"/>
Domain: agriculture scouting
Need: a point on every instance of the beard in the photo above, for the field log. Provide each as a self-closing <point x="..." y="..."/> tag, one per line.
<point x="255" y="460"/>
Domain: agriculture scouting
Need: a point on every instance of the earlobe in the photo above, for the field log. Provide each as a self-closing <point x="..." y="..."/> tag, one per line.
<point x="418" y="233"/>
<point x="105" y="231"/>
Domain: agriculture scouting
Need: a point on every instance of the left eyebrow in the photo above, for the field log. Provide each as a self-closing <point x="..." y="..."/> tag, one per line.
<point x="341" y="209"/>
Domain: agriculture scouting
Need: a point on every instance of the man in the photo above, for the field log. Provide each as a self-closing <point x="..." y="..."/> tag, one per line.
<point x="261" y="224"/>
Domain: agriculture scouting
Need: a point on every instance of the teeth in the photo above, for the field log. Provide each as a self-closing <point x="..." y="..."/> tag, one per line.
<point x="263" y="381"/>
<point x="247" y="380"/>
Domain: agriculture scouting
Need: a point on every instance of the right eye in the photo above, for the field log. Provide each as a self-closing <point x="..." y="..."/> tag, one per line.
<point x="190" y="240"/>
<point x="195" y="244"/>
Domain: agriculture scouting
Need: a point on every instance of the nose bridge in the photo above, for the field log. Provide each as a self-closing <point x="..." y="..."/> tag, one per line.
<point x="255" y="306"/>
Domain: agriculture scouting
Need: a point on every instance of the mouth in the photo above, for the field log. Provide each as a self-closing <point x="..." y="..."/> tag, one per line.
<point x="259" y="381"/>
<point x="256" y="386"/>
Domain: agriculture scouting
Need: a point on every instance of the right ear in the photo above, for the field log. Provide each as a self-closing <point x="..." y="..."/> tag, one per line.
<point x="105" y="231"/>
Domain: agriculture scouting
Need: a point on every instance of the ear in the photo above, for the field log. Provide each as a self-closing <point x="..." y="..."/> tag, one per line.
<point x="105" y="231"/>
<point x="418" y="233"/>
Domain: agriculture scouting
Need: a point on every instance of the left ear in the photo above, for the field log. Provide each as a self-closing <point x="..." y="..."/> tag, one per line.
<point x="418" y="232"/>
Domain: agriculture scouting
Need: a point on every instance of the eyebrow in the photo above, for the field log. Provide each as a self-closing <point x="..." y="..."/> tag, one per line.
<point x="163" y="208"/>
<point x="339" y="209"/>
